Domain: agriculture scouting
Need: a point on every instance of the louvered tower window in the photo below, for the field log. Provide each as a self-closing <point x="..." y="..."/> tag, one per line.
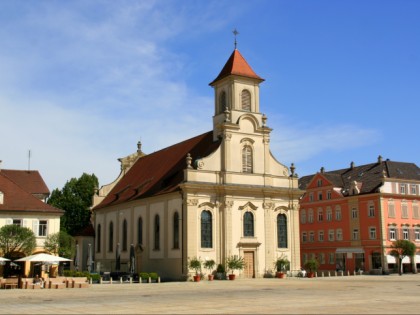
<point x="246" y="100"/>
<point x="247" y="159"/>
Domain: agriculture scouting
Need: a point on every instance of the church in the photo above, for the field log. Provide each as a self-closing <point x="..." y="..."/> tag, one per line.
<point x="215" y="195"/>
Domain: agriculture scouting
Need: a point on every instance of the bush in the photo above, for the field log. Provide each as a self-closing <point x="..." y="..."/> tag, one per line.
<point x="220" y="268"/>
<point x="153" y="276"/>
<point x="144" y="275"/>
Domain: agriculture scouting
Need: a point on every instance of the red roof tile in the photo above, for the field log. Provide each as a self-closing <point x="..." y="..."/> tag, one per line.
<point x="30" y="181"/>
<point x="15" y="198"/>
<point x="160" y="172"/>
<point x="237" y="65"/>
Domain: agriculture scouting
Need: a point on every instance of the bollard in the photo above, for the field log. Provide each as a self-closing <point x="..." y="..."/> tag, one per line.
<point x="348" y="272"/>
<point x="336" y="273"/>
<point x="90" y="281"/>
<point x="121" y="280"/>
<point x="150" y="280"/>
<point x="158" y="279"/>
<point x="322" y="274"/>
<point x="110" y="280"/>
<point x="131" y="280"/>
<point x="100" y="280"/>
<point x="329" y="274"/>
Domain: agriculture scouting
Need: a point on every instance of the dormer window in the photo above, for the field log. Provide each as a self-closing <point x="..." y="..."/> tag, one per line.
<point x="246" y="100"/>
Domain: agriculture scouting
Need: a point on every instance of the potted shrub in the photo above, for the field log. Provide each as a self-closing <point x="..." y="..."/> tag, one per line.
<point x="209" y="265"/>
<point x="312" y="266"/>
<point x="282" y="264"/>
<point x="220" y="272"/>
<point x="233" y="263"/>
<point x="195" y="264"/>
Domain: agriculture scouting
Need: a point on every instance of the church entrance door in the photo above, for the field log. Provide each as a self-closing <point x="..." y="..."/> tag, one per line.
<point x="249" y="271"/>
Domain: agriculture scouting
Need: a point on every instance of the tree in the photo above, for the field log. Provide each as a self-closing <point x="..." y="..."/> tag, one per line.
<point x="61" y="244"/>
<point x="75" y="199"/>
<point x="16" y="239"/>
<point x="401" y="249"/>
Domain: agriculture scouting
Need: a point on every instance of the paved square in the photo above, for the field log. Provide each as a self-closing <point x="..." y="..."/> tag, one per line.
<point x="336" y="295"/>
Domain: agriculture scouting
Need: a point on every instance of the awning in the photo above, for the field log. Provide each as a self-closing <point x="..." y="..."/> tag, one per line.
<point x="353" y="250"/>
<point x="406" y="260"/>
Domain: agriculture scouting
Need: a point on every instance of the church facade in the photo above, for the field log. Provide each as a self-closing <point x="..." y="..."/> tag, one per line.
<point x="215" y="195"/>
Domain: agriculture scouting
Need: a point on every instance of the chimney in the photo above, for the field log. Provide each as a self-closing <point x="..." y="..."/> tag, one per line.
<point x="322" y="170"/>
<point x="380" y="159"/>
<point x="352" y="165"/>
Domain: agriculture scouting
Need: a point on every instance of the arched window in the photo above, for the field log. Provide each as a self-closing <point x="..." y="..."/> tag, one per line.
<point x="248" y="224"/>
<point x="157" y="233"/>
<point x="124" y="236"/>
<point x="206" y="229"/>
<point x="98" y="239"/>
<point x="140" y="231"/>
<point x="246" y="100"/>
<point x="247" y="159"/>
<point x="111" y="237"/>
<point x="222" y="101"/>
<point x="176" y="231"/>
<point x="281" y="231"/>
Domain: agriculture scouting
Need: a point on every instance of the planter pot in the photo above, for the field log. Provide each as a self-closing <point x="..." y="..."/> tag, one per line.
<point x="197" y="278"/>
<point x="211" y="277"/>
<point x="311" y="274"/>
<point x="280" y="275"/>
<point x="231" y="277"/>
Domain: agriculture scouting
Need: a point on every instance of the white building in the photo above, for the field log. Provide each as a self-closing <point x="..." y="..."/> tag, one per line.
<point x="218" y="194"/>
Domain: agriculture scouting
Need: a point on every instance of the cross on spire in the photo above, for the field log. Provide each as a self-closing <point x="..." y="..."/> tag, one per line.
<point x="235" y="32"/>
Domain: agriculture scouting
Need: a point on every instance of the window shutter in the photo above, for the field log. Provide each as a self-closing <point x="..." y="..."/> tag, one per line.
<point x="35" y="227"/>
<point x="25" y="223"/>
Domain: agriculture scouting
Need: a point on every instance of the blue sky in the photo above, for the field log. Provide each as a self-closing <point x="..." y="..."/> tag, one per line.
<point x="82" y="81"/>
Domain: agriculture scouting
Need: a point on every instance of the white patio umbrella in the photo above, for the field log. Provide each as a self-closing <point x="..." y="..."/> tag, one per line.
<point x="3" y="260"/>
<point x="42" y="257"/>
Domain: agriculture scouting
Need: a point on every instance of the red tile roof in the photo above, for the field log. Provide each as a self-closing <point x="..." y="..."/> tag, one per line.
<point x="86" y="231"/>
<point x="15" y="198"/>
<point x="160" y="172"/>
<point x="237" y="65"/>
<point x="30" y="181"/>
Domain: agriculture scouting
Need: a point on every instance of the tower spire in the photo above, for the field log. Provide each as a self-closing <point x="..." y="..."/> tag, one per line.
<point x="235" y="32"/>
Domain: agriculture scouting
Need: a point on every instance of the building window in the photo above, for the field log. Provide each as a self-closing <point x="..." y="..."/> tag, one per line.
<point x="329" y="214"/>
<point x="338" y="213"/>
<point x="311" y="237"/>
<point x="140" y="231"/>
<point x="391" y="210"/>
<point x="247" y="159"/>
<point x="339" y="234"/>
<point x="415" y="210"/>
<point x="331" y="259"/>
<point x="246" y="100"/>
<point x="111" y="237"/>
<point x="320" y="236"/>
<point x="310" y="216"/>
<point x="322" y="258"/>
<point x="281" y="231"/>
<point x="206" y="229"/>
<point x="417" y="234"/>
<point x="248" y="224"/>
<point x="304" y="237"/>
<point x="42" y="227"/>
<point x="404" y="211"/>
<point x="328" y="194"/>
<point x="355" y="234"/>
<point x="372" y="233"/>
<point x="303" y="216"/>
<point x="98" y="238"/>
<point x="311" y="196"/>
<point x="320" y="215"/>
<point x="392" y="233"/>
<point x="331" y="235"/>
<point x="319" y="183"/>
<point x="403" y="189"/>
<point x="124" y="235"/>
<point x="371" y="211"/>
<point x="1" y="198"/>
<point x="405" y="234"/>
<point x="223" y="103"/>
<point x="176" y="231"/>
<point x="320" y="195"/>
<point x="305" y="258"/>
<point x="414" y="189"/>
<point x="17" y="222"/>
<point x="157" y="233"/>
<point x="354" y="213"/>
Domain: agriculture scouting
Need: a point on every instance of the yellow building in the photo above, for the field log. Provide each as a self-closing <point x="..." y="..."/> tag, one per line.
<point x="218" y="194"/>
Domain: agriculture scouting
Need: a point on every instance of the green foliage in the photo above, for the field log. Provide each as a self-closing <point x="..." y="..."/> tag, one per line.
<point x="312" y="265"/>
<point x="14" y="238"/>
<point x="75" y="199"/>
<point x="80" y="274"/>
<point x="195" y="264"/>
<point x="282" y="264"/>
<point x="235" y="262"/>
<point x="209" y="265"/>
<point x="220" y="268"/>
<point x="153" y="276"/>
<point x="401" y="249"/>
<point x="144" y="275"/>
<point x="61" y="244"/>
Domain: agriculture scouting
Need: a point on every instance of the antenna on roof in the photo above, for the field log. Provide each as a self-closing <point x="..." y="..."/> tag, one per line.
<point x="235" y="32"/>
<point x="29" y="160"/>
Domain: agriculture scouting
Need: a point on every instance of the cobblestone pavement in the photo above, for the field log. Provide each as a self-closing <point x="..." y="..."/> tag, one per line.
<point x="336" y="295"/>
